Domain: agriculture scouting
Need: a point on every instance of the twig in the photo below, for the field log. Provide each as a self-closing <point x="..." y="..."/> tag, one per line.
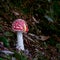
<point x="35" y="20"/>
<point x="48" y="18"/>
<point x="7" y="52"/>
<point x="15" y="13"/>
<point x="26" y="36"/>
<point x="33" y="35"/>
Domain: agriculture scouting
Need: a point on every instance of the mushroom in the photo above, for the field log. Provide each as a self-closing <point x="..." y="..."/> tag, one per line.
<point x="20" y="26"/>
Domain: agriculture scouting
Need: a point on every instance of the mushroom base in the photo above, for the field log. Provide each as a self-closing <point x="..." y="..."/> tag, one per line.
<point x="20" y="44"/>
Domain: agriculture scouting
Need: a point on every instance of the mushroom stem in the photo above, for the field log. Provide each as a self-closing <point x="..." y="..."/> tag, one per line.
<point x="20" y="44"/>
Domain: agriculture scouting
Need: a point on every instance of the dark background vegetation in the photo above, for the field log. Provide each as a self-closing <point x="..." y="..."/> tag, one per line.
<point x="43" y="18"/>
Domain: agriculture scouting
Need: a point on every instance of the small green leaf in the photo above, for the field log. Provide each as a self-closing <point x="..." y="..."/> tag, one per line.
<point x="58" y="46"/>
<point x="20" y="56"/>
<point x="5" y="41"/>
<point x="8" y="33"/>
<point x="35" y="59"/>
<point x="56" y="8"/>
<point x="25" y="10"/>
<point x="1" y="58"/>
<point x="51" y="41"/>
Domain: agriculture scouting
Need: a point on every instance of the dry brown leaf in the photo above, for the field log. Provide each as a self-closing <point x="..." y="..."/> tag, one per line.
<point x="43" y="38"/>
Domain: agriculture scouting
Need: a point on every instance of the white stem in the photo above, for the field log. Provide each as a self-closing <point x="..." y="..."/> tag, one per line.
<point x="20" y="44"/>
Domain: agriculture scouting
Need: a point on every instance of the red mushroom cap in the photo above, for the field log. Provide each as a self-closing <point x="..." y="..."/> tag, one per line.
<point x="20" y="25"/>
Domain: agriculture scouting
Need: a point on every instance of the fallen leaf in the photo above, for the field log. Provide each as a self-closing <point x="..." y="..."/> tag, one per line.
<point x="43" y="38"/>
